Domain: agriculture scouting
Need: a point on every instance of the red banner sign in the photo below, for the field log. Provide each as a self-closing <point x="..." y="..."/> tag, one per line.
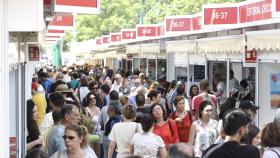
<point x="255" y="11"/>
<point x="250" y="55"/>
<point x="196" y="23"/>
<point x="61" y="23"/>
<point x="77" y="6"/>
<point x="105" y="39"/>
<point x="34" y="53"/>
<point x="116" y="37"/>
<point x="177" y="24"/>
<point x="98" y="41"/>
<point x="128" y="34"/>
<point x="277" y="3"/>
<point x="149" y="31"/>
<point x="220" y="16"/>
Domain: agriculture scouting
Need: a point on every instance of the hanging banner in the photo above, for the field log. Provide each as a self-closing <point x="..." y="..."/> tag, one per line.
<point x="177" y="24"/>
<point x="217" y="16"/>
<point x="274" y="90"/>
<point x="106" y="39"/>
<point x="98" y="41"/>
<point x="116" y="37"/>
<point x="34" y="53"/>
<point x="128" y="34"/>
<point x="61" y="23"/>
<point x="250" y="57"/>
<point x="255" y="11"/>
<point x="196" y="22"/>
<point x="77" y="6"/>
<point x="276" y="8"/>
<point x="152" y="30"/>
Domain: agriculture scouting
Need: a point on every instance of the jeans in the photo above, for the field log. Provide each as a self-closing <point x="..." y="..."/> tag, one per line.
<point x="106" y="143"/>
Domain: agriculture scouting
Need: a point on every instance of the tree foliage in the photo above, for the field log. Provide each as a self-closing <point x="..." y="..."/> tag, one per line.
<point x="118" y="14"/>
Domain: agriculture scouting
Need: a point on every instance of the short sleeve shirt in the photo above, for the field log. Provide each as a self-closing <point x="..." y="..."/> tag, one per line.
<point x="147" y="144"/>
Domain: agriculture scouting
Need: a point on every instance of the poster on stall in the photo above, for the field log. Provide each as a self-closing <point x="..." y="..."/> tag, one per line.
<point x="274" y="90"/>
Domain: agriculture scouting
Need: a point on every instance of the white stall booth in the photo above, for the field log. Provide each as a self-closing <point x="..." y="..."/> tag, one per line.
<point x="267" y="44"/>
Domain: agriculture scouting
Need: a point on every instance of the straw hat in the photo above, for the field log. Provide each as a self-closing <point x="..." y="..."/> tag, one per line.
<point x="63" y="88"/>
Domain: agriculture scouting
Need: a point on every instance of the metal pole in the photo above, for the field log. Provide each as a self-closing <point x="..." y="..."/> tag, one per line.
<point x="142" y="12"/>
<point x="228" y="62"/>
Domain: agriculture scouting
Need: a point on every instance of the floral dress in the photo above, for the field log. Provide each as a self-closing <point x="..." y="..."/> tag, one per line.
<point x="205" y="136"/>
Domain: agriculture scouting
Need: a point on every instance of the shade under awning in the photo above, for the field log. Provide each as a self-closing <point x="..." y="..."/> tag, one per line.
<point x="182" y="46"/>
<point x="227" y="44"/>
<point x="264" y="40"/>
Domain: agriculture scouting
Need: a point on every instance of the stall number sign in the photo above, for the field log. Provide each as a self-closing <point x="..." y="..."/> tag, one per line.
<point x="128" y="34"/>
<point x="213" y="16"/>
<point x="255" y="11"/>
<point x="152" y="31"/>
<point x="251" y="56"/>
<point x="196" y="23"/>
<point x="34" y="53"/>
<point x="277" y="5"/>
<point x="178" y="24"/>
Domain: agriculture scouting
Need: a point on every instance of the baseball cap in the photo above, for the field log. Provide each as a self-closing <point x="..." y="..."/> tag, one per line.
<point x="248" y="104"/>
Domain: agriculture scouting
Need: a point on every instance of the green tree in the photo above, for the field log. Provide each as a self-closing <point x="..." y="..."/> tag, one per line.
<point x="118" y="14"/>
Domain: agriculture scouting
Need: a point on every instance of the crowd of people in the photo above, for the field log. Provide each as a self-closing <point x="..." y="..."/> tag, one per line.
<point x="90" y="112"/>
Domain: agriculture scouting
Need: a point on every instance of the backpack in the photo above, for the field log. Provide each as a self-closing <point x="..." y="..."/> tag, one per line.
<point x="207" y="97"/>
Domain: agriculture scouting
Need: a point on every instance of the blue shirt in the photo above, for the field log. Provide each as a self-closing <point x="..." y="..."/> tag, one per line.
<point x="55" y="140"/>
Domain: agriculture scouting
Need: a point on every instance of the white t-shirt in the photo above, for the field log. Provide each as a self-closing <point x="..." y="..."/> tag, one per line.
<point x="122" y="134"/>
<point x="268" y="153"/>
<point x="221" y="86"/>
<point x="46" y="124"/>
<point x="63" y="153"/>
<point x="147" y="144"/>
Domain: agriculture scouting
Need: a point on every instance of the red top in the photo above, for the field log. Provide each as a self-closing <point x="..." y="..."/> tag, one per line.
<point x="198" y="99"/>
<point x="183" y="127"/>
<point x="169" y="137"/>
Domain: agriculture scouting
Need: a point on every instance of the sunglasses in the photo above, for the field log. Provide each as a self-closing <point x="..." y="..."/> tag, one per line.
<point x="68" y="137"/>
<point x="92" y="98"/>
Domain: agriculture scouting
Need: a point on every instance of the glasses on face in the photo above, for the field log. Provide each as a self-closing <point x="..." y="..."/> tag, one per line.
<point x="68" y="137"/>
<point x="93" y="98"/>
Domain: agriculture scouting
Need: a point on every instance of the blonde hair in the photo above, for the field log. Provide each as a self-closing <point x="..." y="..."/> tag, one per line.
<point x="81" y="131"/>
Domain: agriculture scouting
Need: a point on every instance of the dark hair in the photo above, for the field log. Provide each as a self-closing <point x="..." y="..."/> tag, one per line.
<point x="204" y="84"/>
<point x="115" y="106"/>
<point x="110" y="73"/>
<point x="84" y="82"/>
<point x="164" y="115"/>
<point x="75" y="75"/>
<point x="36" y="153"/>
<point x="180" y="90"/>
<point x="244" y="83"/>
<point x="92" y="84"/>
<point x="129" y="112"/>
<point x="175" y="151"/>
<point x="147" y="122"/>
<point x="66" y="110"/>
<point x="202" y="106"/>
<point x="56" y="115"/>
<point x="227" y="105"/>
<point x="270" y="136"/>
<point x="81" y="132"/>
<point x="57" y="99"/>
<point x="87" y="101"/>
<point x="234" y="120"/>
<point x="105" y="88"/>
<point x="140" y="99"/>
<point x="32" y="127"/>
<point x="252" y="133"/>
<point x="173" y="84"/>
<point x="152" y="94"/>
<point x="178" y="99"/>
<point x="191" y="89"/>
<point x="114" y="95"/>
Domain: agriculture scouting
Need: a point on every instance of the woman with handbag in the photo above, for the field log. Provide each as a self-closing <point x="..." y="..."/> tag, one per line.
<point x="122" y="133"/>
<point x="164" y="127"/>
